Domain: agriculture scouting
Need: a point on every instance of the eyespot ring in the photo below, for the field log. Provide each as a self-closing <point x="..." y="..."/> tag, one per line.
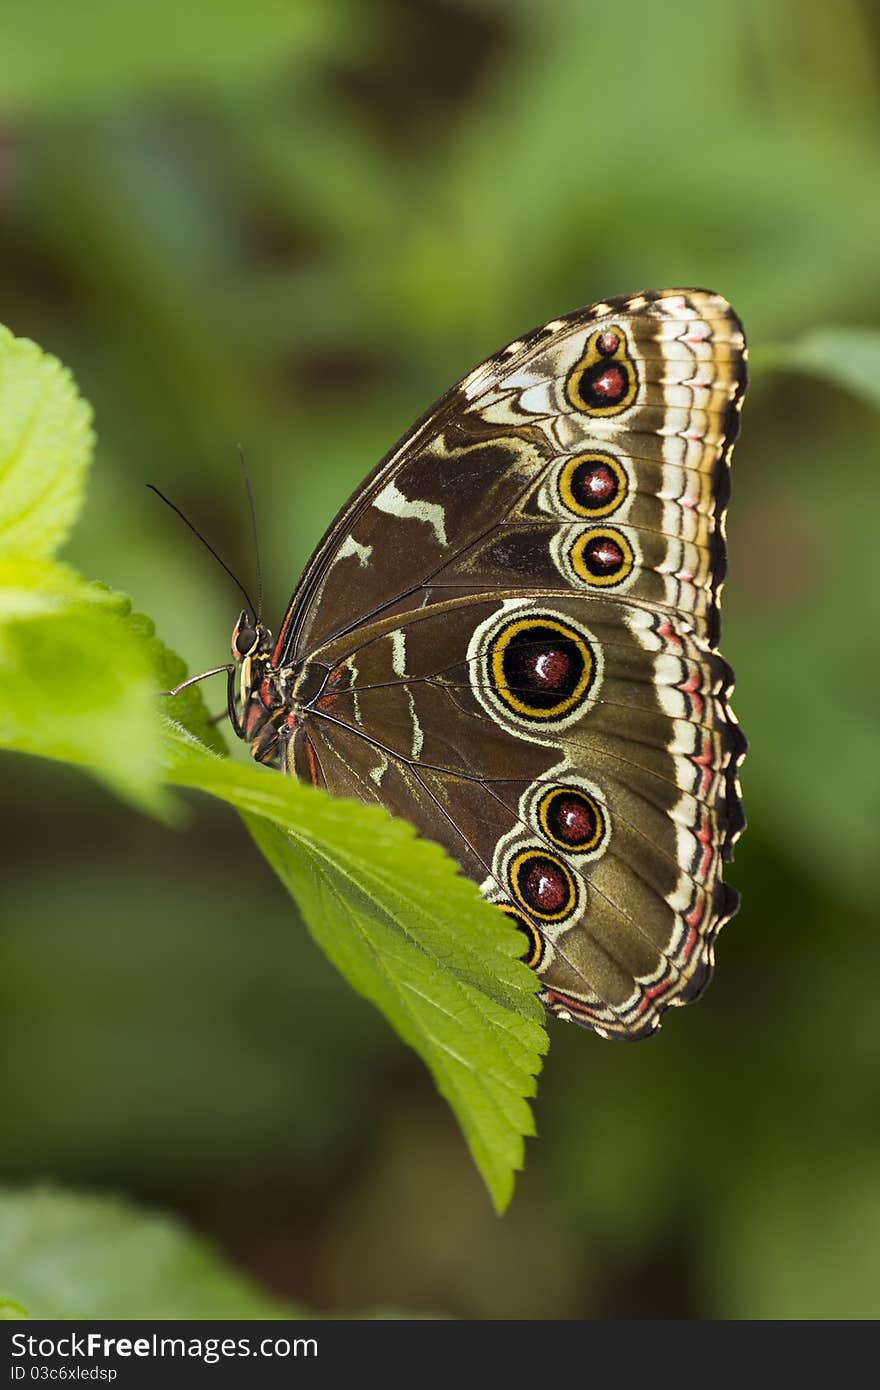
<point x="603" y="382"/>
<point x="597" y="476"/>
<point x="572" y="819"/>
<point x="602" y="556"/>
<point x="542" y="884"/>
<point x="544" y="651"/>
<point x="534" y="670"/>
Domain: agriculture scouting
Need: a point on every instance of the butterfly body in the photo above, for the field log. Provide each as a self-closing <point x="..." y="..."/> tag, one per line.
<point x="508" y="636"/>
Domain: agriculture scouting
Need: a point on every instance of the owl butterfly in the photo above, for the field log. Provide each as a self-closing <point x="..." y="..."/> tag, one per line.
<point x="509" y="635"/>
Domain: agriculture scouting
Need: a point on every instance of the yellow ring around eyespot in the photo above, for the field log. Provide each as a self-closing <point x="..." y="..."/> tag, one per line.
<point x="582" y="847"/>
<point x="620" y="358"/>
<point x="567" y="497"/>
<point x="536" y="954"/>
<point x="502" y="690"/>
<point x="534" y="853"/>
<point x="579" y="565"/>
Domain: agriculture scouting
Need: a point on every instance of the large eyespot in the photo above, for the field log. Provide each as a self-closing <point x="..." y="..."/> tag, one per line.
<point x="534" y="950"/>
<point x="602" y="555"/>
<point x="541" y="668"/>
<point x="543" y="884"/>
<point x="604" y="381"/>
<point x="572" y="819"/>
<point x="534" y="671"/>
<point x="593" y="484"/>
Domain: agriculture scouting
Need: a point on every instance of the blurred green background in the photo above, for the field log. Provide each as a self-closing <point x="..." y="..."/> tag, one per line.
<point x="294" y="224"/>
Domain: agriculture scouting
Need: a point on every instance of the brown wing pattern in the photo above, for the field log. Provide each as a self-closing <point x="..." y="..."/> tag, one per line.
<point x="519" y="617"/>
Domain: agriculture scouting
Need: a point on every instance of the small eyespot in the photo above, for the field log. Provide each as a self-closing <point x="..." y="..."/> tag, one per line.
<point x="572" y="819"/>
<point x="604" y="381"/>
<point x="543" y="884"/>
<point x="592" y="484"/>
<point x="607" y="344"/>
<point x="602" y="555"/>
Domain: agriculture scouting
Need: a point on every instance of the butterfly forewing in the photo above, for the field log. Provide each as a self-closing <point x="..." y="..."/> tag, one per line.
<point x="518" y="613"/>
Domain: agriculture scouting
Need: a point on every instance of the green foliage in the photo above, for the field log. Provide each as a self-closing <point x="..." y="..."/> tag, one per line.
<point x="77" y="684"/>
<point x="70" y="1255"/>
<point x="390" y="910"/>
<point x="775" y="1264"/>
<point x="849" y="357"/>
<point x="788" y="759"/>
<point x="49" y="54"/>
<point x="169" y="670"/>
<point x="45" y="449"/>
<point x="413" y="937"/>
<point x="78" y="688"/>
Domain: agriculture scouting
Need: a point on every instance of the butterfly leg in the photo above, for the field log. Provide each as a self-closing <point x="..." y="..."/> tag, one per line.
<point x="285" y="734"/>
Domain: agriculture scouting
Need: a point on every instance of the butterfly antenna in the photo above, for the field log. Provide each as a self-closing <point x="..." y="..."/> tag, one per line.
<point x="208" y="546"/>
<point x="254" y="531"/>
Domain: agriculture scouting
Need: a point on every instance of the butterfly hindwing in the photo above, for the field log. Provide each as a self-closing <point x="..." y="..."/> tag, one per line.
<point x="619" y="770"/>
<point x="514" y="625"/>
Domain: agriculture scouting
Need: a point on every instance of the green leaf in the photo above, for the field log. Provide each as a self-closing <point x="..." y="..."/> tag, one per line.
<point x="45" y="449"/>
<point x="39" y="589"/>
<point x="76" y="678"/>
<point x="76" y="682"/>
<point x="72" y="1255"/>
<point x="412" y="935"/>
<point x="849" y="357"/>
<point x="188" y="708"/>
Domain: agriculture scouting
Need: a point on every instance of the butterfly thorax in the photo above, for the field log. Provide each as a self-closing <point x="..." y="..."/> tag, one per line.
<point x="269" y="702"/>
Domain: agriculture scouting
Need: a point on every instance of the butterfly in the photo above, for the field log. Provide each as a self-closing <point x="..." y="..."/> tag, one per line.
<point x="509" y="635"/>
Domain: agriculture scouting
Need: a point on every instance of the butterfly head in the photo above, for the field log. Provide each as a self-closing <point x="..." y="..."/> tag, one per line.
<point x="255" y="700"/>
<point x="249" y="638"/>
